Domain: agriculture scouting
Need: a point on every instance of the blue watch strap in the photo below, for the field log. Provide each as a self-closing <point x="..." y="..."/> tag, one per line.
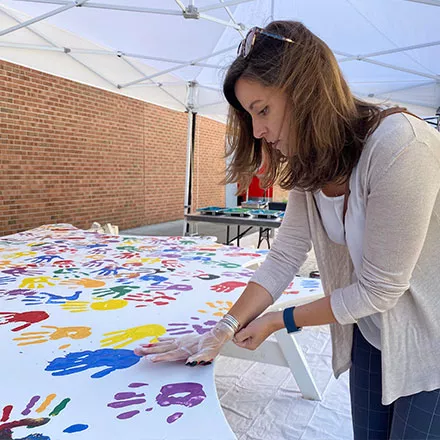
<point x="289" y="320"/>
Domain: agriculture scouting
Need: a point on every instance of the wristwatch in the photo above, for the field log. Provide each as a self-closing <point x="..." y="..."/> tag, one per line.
<point x="289" y="320"/>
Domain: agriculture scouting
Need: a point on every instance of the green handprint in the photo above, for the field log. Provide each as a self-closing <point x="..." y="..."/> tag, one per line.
<point x="116" y="292"/>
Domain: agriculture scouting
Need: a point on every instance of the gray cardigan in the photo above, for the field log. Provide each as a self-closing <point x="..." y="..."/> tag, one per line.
<point x="399" y="170"/>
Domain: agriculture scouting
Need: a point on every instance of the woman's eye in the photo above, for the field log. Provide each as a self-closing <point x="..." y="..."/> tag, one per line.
<point x="264" y="111"/>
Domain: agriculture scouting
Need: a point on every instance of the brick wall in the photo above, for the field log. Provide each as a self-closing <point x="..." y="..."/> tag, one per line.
<point x="209" y="164"/>
<point x="76" y="154"/>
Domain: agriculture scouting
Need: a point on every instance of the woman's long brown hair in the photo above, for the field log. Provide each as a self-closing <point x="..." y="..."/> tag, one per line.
<point x="329" y="124"/>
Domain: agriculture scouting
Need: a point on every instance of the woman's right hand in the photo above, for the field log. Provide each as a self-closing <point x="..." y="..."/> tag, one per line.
<point x="194" y="349"/>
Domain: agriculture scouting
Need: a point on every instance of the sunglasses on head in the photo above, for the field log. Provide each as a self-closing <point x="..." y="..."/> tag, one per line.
<point x="246" y="45"/>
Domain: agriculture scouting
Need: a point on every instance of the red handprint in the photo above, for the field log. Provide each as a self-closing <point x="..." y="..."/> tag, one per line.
<point x="128" y="255"/>
<point x="157" y="298"/>
<point x="64" y="263"/>
<point x="171" y="263"/>
<point x="228" y="286"/>
<point x="28" y="318"/>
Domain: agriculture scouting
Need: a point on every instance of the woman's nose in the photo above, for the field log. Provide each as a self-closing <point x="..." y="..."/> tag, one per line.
<point x="259" y="130"/>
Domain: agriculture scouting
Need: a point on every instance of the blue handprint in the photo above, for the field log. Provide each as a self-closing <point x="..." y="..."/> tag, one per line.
<point x="156" y="278"/>
<point x="109" y="270"/>
<point x="81" y="361"/>
<point x="50" y="298"/>
<point x="310" y="283"/>
<point x="7" y="280"/>
<point x="45" y="258"/>
<point x="95" y="246"/>
<point x="196" y="258"/>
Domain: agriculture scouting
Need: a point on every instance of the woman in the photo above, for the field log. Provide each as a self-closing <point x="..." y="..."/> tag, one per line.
<point x="364" y="187"/>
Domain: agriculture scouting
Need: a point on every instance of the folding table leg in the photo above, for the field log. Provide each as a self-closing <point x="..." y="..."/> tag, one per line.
<point x="298" y="365"/>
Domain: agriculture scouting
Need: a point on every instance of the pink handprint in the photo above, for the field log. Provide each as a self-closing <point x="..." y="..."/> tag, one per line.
<point x="228" y="286"/>
<point x="242" y="254"/>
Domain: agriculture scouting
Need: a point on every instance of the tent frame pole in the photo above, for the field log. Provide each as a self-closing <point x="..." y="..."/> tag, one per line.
<point x="189" y="153"/>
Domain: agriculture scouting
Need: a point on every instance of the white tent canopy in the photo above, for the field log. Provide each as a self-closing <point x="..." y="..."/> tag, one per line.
<point x="159" y="50"/>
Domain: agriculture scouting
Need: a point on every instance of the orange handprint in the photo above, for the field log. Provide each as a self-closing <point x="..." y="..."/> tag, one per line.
<point x="29" y="338"/>
<point x="84" y="282"/>
<point x="220" y="307"/>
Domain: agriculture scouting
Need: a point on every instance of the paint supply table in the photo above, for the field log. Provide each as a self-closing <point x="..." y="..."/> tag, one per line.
<point x="265" y="225"/>
<point x="73" y="306"/>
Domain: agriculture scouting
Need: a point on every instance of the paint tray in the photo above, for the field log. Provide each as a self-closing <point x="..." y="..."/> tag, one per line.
<point x="237" y="212"/>
<point x="211" y="210"/>
<point x="265" y="213"/>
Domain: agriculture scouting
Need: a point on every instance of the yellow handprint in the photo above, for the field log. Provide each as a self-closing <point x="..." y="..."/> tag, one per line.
<point x="36" y="283"/>
<point x="130" y="242"/>
<point x="221" y="307"/>
<point x="84" y="282"/>
<point x="122" y="338"/>
<point x="21" y="254"/>
<point x="83" y="306"/>
<point x="29" y="338"/>
<point x="96" y="257"/>
<point x="149" y="260"/>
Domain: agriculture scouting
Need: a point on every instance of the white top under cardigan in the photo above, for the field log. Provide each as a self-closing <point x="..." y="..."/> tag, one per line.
<point x="331" y="210"/>
<point x="399" y="277"/>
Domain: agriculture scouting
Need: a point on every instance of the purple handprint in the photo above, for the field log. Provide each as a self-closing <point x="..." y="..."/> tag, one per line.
<point x="245" y="273"/>
<point x="194" y="395"/>
<point x="113" y="359"/>
<point x="183" y="328"/>
<point x="188" y="394"/>
<point x="15" y="293"/>
<point x="129" y="398"/>
<point x="29" y="270"/>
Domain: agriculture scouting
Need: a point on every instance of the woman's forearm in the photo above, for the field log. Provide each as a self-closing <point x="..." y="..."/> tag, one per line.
<point x="318" y="312"/>
<point x="254" y="300"/>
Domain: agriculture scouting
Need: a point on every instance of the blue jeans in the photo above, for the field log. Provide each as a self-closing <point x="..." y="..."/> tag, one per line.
<point x="415" y="417"/>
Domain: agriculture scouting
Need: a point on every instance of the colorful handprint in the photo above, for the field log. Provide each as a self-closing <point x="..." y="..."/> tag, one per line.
<point x="183" y="328"/>
<point x="220" y="308"/>
<point x="7" y="425"/>
<point x="36" y="282"/>
<point x="102" y="305"/>
<point x="87" y="283"/>
<point x="76" y="362"/>
<point x="29" y="338"/>
<point x="188" y="394"/>
<point x="228" y="286"/>
<point x="122" y="338"/>
<point x="28" y="318"/>
<point x="115" y="292"/>
<point x="156" y="298"/>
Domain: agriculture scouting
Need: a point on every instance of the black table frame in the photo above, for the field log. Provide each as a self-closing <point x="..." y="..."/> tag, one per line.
<point x="264" y="225"/>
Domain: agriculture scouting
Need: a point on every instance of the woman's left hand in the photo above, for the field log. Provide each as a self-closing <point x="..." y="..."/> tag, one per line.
<point x="255" y="332"/>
